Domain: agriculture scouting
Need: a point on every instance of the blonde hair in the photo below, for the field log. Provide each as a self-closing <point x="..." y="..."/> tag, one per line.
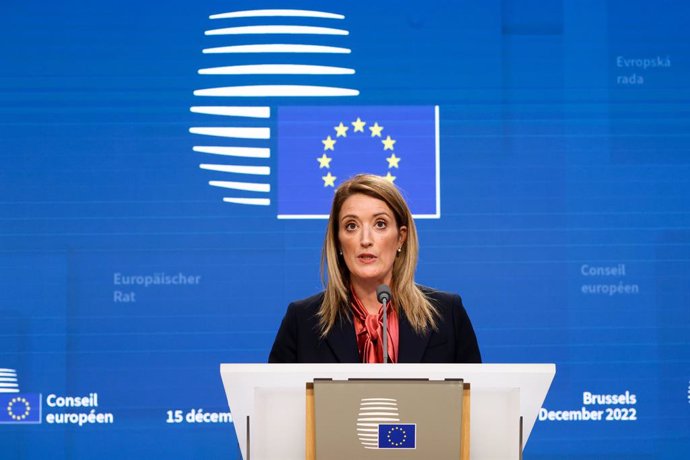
<point x="336" y="276"/>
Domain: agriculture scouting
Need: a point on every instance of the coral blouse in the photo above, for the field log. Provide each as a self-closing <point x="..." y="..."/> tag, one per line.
<point x="369" y="332"/>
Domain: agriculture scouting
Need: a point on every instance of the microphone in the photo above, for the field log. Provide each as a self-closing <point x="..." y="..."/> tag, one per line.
<point x="383" y="294"/>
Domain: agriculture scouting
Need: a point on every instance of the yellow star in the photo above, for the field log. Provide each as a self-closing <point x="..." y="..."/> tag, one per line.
<point x="388" y="143"/>
<point x="328" y="180"/>
<point x="341" y="130"/>
<point x="393" y="161"/>
<point x="389" y="177"/>
<point x="325" y="162"/>
<point x="359" y="125"/>
<point x="329" y="143"/>
<point x="376" y="130"/>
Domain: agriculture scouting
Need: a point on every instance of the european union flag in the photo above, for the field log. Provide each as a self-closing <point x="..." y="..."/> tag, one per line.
<point x="397" y="436"/>
<point x="20" y="408"/>
<point x="320" y="147"/>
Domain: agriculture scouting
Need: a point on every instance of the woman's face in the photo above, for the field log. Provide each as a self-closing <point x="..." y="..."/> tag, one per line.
<point x="369" y="239"/>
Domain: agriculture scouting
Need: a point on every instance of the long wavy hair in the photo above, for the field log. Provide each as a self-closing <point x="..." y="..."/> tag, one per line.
<point x="336" y="276"/>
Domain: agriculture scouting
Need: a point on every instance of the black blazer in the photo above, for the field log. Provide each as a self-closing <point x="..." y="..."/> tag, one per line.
<point x="298" y="338"/>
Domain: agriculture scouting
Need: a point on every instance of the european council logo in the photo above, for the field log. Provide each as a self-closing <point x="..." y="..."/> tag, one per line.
<point x="16" y="407"/>
<point x="379" y="427"/>
<point x="277" y="57"/>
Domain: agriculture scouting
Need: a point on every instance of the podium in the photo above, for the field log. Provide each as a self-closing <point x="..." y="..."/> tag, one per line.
<point x="268" y="402"/>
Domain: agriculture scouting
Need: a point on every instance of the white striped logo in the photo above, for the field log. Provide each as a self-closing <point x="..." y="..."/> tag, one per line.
<point x="235" y="140"/>
<point x="372" y="412"/>
<point x="8" y="381"/>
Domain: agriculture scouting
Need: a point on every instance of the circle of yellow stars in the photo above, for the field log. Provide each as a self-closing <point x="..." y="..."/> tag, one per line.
<point x="357" y="126"/>
<point x="390" y="440"/>
<point x="10" y="407"/>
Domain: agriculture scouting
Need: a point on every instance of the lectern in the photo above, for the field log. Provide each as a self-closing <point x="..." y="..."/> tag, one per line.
<point x="268" y="402"/>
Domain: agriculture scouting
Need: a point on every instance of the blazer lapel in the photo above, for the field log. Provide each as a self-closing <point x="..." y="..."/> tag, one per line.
<point x="411" y="346"/>
<point x="342" y="341"/>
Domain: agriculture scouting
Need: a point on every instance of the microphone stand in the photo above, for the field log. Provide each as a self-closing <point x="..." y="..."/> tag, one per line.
<point x="385" y="331"/>
<point x="383" y="295"/>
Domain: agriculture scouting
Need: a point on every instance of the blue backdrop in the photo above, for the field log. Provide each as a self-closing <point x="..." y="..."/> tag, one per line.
<point x="160" y="192"/>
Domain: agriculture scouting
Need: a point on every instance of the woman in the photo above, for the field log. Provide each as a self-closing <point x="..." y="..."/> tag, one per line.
<point x="371" y="240"/>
